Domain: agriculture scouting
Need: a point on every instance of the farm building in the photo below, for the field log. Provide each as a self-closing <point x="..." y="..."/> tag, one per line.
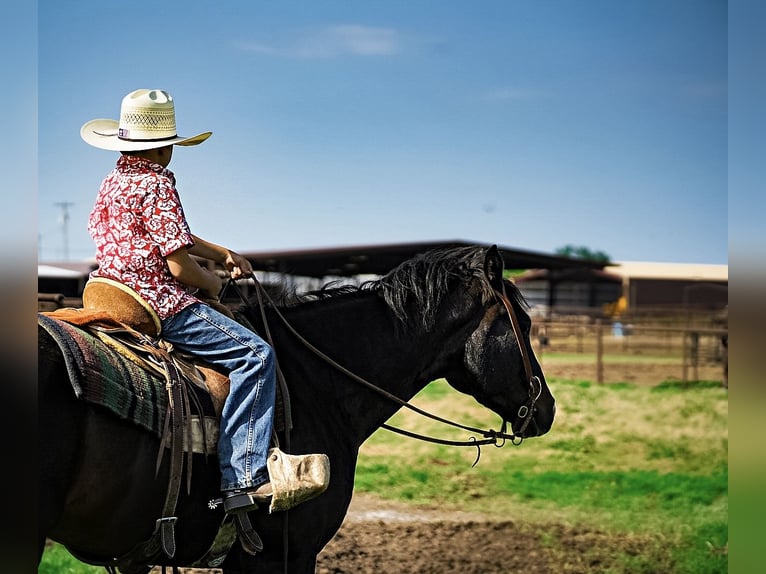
<point x="310" y="268"/>
<point x="672" y="286"/>
<point x="61" y="284"/>
<point x="569" y="290"/>
<point x="552" y="284"/>
<point x="627" y="286"/>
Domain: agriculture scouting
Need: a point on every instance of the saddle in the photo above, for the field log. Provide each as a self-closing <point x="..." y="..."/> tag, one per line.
<point x="117" y="315"/>
<point x="122" y="304"/>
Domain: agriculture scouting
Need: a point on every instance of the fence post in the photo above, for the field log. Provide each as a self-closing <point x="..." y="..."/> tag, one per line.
<point x="685" y="358"/>
<point x="725" y="358"/>
<point x="538" y="335"/>
<point x="695" y="355"/>
<point x="599" y="351"/>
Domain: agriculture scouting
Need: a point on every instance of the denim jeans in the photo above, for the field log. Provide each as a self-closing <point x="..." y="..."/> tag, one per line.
<point x="248" y="413"/>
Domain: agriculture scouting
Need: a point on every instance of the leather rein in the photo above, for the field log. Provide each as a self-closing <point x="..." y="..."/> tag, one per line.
<point x="493" y="437"/>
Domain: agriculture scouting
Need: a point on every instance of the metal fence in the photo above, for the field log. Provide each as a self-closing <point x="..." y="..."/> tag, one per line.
<point x="698" y="348"/>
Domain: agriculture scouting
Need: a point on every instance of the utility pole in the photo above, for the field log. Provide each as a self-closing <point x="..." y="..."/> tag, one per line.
<point x="65" y="205"/>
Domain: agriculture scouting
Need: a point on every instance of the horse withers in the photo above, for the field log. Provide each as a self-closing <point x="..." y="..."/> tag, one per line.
<point x="443" y="314"/>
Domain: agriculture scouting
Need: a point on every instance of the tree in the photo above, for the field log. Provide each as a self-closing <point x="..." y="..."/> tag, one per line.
<point x="581" y="252"/>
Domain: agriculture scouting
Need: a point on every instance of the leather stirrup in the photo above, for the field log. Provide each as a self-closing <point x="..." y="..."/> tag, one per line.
<point x="248" y="537"/>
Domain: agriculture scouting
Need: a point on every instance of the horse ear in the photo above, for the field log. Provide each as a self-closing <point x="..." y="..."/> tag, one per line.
<point x="493" y="267"/>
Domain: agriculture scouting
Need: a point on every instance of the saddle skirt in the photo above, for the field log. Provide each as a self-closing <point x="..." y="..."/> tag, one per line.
<point x="109" y="365"/>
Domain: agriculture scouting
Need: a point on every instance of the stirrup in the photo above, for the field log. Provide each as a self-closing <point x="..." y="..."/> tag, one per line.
<point x="239" y="502"/>
<point x="246" y="499"/>
<point x="248" y="537"/>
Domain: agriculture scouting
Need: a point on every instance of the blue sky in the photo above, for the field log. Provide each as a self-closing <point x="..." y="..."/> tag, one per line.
<point x="528" y="124"/>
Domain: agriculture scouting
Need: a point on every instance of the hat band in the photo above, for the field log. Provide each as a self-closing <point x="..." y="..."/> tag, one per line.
<point x="147" y="139"/>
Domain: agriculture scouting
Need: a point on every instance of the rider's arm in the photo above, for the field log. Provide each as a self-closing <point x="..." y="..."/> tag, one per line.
<point x="233" y="261"/>
<point x="187" y="271"/>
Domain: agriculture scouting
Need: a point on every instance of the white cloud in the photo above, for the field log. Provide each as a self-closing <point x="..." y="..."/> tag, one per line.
<point x="256" y="48"/>
<point x="363" y="40"/>
<point x="334" y="42"/>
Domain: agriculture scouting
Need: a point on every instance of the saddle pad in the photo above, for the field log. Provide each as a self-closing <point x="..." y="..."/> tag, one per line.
<point x="102" y="376"/>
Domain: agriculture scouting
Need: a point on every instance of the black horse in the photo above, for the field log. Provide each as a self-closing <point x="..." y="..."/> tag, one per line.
<point x="438" y="315"/>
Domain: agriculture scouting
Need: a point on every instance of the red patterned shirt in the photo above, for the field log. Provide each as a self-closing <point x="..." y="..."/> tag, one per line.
<point x="136" y="221"/>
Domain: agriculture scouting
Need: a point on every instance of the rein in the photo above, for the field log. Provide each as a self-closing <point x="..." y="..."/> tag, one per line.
<point x="496" y="438"/>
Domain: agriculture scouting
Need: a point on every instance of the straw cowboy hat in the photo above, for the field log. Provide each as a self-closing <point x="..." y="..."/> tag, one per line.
<point x="147" y="121"/>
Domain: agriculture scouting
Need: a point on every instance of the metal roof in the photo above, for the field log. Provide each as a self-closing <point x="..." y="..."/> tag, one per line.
<point x="64" y="269"/>
<point x="380" y="259"/>
<point x="684" y="271"/>
<point x="58" y="272"/>
<point x="346" y="261"/>
<point x="568" y="275"/>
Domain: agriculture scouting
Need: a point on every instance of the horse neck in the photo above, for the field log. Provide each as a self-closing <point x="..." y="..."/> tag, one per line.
<point x="361" y="334"/>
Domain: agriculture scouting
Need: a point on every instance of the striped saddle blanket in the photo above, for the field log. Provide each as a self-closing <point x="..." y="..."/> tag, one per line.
<point x="101" y="375"/>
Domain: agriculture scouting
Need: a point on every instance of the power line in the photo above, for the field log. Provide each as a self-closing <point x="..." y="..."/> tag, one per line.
<point x="65" y="205"/>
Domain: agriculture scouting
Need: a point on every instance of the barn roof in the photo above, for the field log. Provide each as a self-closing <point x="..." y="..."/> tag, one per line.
<point x="680" y="271"/>
<point x="570" y="275"/>
<point x="345" y="261"/>
<point x="65" y="270"/>
<point x="381" y="258"/>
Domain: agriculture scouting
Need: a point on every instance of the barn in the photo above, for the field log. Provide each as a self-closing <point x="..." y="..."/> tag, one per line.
<point x="551" y="283"/>
<point x="627" y="286"/>
<point x="579" y="291"/>
<point x="306" y="269"/>
<point x="672" y="286"/>
<point x="60" y="284"/>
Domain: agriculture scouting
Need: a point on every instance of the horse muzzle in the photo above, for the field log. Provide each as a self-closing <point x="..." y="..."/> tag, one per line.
<point x="535" y="417"/>
<point x="541" y="420"/>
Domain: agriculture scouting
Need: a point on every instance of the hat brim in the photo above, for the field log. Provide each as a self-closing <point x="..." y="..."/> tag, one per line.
<point x="103" y="135"/>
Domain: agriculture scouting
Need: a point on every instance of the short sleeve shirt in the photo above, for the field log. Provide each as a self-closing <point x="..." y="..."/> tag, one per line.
<point x="136" y="221"/>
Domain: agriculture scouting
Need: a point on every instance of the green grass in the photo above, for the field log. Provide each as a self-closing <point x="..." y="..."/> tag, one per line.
<point x="626" y="459"/>
<point x="57" y="560"/>
<point x="676" y="385"/>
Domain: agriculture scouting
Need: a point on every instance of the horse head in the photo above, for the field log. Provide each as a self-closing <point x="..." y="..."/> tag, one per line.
<point x="499" y="368"/>
<point x="458" y="297"/>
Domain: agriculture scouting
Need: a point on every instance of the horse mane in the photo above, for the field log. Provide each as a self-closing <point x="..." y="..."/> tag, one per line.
<point x="416" y="288"/>
<point x="423" y="281"/>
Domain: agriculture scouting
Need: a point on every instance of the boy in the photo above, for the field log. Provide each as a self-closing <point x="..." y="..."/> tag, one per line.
<point x="144" y="242"/>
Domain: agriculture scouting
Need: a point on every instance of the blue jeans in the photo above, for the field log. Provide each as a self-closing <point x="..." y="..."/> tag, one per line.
<point x="248" y="413"/>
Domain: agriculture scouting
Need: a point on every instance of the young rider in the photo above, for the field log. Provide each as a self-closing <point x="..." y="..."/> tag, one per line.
<point x="144" y="242"/>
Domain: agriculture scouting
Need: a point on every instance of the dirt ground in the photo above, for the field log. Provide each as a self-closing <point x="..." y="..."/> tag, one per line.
<point x="384" y="536"/>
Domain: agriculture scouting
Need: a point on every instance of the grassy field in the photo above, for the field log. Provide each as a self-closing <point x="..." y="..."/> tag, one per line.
<point x="628" y="459"/>
<point x="644" y="461"/>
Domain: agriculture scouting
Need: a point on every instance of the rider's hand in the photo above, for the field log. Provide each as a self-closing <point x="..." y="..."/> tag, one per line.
<point x="238" y="265"/>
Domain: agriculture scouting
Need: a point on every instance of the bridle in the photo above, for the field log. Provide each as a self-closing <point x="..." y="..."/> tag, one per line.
<point x="526" y="411"/>
<point x="493" y="437"/>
